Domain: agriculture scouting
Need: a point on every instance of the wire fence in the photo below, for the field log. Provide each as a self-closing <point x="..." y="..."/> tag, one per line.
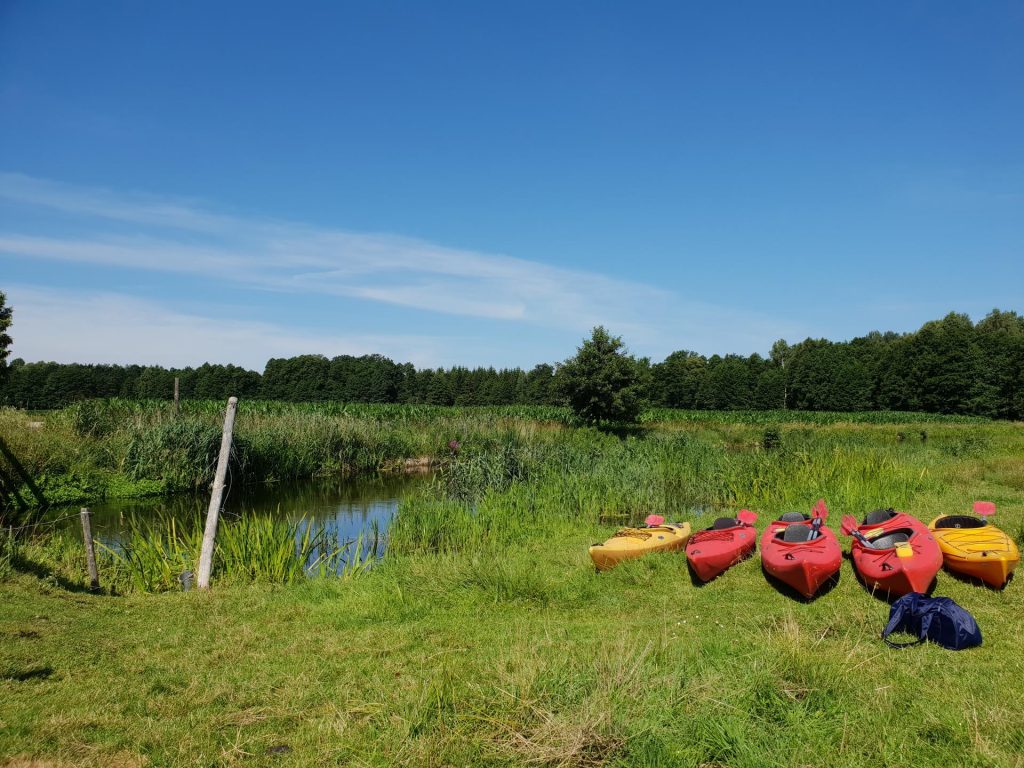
<point x="39" y="524"/>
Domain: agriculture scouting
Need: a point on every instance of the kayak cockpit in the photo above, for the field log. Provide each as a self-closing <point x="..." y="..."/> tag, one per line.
<point x="724" y="522"/>
<point x="879" y="516"/>
<point x="892" y="539"/>
<point x="960" y="521"/>
<point x="795" y="534"/>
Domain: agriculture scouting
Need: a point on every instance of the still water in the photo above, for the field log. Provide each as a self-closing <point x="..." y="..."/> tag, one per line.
<point x="342" y="508"/>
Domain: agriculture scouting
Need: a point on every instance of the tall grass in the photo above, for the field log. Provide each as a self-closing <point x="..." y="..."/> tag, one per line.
<point x="121" y="448"/>
<point x="153" y="554"/>
<point x="587" y="478"/>
<point x="505" y="482"/>
<point x="107" y="448"/>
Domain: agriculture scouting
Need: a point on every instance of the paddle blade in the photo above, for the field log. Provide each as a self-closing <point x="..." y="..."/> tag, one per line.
<point x="984" y="508"/>
<point x="849" y="524"/>
<point x="820" y="510"/>
<point x="652" y="521"/>
<point x="747" y="517"/>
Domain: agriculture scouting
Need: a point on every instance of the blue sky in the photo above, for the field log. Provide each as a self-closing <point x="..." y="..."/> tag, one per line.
<point x="475" y="184"/>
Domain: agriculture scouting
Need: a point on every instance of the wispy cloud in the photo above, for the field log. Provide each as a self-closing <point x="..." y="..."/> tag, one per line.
<point x="94" y="201"/>
<point x="147" y="233"/>
<point x="179" y="237"/>
<point x="124" y="329"/>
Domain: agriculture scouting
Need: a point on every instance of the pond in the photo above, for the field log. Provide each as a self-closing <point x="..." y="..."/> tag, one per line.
<point x="343" y="508"/>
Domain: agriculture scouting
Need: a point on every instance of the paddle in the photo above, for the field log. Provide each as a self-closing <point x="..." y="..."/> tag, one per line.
<point x="746" y="517"/>
<point x="850" y="529"/>
<point x="820" y="512"/>
<point x="984" y="508"/>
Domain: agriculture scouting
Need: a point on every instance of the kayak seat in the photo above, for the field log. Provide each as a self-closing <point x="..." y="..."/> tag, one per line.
<point x="724" y="522"/>
<point x="889" y="541"/>
<point x="793" y="517"/>
<point x="960" y="521"/>
<point x="798" y="533"/>
<point x="879" y="516"/>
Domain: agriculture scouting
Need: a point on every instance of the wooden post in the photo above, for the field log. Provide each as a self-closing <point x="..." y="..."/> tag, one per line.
<point x="90" y="552"/>
<point x="213" y="512"/>
<point x="177" y="406"/>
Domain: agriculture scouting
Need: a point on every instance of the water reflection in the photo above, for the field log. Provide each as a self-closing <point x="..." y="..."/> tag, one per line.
<point x="344" y="509"/>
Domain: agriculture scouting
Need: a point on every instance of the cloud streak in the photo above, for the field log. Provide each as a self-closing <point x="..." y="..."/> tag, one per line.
<point x="181" y="238"/>
<point x="146" y="233"/>
<point x="124" y="329"/>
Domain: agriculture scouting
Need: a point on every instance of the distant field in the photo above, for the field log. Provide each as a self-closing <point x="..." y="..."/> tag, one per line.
<point x="485" y="638"/>
<point x="656" y="415"/>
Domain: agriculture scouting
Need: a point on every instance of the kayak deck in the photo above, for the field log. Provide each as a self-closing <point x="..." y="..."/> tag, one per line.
<point x="630" y="543"/>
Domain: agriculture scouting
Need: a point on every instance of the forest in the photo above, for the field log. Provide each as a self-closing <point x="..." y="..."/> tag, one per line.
<point x="952" y="366"/>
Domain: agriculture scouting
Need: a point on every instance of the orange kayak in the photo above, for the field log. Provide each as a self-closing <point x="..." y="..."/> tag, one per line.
<point x="630" y="543"/>
<point x="973" y="547"/>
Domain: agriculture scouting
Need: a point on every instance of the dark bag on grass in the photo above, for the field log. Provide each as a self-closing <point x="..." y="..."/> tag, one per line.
<point x="938" y="619"/>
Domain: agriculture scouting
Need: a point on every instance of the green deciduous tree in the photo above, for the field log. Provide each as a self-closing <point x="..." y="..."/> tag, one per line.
<point x="947" y="365"/>
<point x="677" y="380"/>
<point x="1000" y="338"/>
<point x="602" y="382"/>
<point x="826" y="376"/>
<point x="728" y="385"/>
<point x="538" y="384"/>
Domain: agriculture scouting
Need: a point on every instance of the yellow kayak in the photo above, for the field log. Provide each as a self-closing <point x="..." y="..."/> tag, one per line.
<point x="973" y="547"/>
<point x="630" y="543"/>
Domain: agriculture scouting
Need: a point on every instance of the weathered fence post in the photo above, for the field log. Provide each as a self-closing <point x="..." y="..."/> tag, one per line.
<point x="213" y="513"/>
<point x="177" y="406"/>
<point x="90" y="552"/>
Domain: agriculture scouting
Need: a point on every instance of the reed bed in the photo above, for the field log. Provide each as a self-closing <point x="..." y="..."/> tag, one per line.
<point x="504" y="496"/>
<point x="98" y="449"/>
<point x="160" y="554"/>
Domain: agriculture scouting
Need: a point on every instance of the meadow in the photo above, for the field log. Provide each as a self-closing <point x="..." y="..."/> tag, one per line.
<point x="484" y="637"/>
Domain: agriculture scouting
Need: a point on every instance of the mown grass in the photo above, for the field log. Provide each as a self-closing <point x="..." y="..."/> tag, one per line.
<point x="485" y="638"/>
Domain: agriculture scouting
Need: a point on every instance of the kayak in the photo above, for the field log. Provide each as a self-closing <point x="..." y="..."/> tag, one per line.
<point x="898" y="554"/>
<point x="728" y="541"/>
<point x="630" y="543"/>
<point x="973" y="547"/>
<point x="800" y="551"/>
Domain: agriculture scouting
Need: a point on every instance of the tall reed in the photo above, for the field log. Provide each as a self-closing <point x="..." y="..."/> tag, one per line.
<point x="585" y="478"/>
<point x="154" y="553"/>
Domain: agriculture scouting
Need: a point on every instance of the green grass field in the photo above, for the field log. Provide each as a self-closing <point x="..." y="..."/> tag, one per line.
<point x="485" y="638"/>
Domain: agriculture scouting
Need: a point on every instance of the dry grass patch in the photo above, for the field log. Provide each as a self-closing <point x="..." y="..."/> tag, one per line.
<point x="115" y="760"/>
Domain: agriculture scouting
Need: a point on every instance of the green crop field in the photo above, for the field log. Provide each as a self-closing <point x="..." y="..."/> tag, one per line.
<point x="484" y="636"/>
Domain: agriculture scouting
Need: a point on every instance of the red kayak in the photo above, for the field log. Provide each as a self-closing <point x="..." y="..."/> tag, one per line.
<point x="798" y="550"/>
<point x="725" y="543"/>
<point x="893" y="552"/>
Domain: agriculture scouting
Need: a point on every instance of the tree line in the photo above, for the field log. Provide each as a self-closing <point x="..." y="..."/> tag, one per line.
<point x="952" y="365"/>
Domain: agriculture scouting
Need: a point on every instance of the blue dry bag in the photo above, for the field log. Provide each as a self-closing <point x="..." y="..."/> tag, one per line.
<point x="938" y="619"/>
